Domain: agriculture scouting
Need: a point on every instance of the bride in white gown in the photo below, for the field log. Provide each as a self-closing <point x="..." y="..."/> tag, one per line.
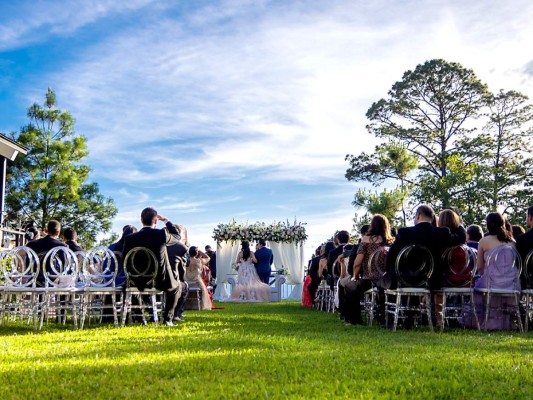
<point x="249" y="287"/>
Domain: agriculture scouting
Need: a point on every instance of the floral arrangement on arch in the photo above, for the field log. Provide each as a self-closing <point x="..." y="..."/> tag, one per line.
<point x="274" y="232"/>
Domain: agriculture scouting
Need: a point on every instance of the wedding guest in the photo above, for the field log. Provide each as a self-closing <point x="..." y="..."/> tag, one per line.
<point x="517" y="230"/>
<point x="424" y="233"/>
<point x="32" y="233"/>
<point x="313" y="269"/>
<point x="524" y="243"/>
<point x="212" y="261"/>
<point x="193" y="275"/>
<point x="474" y="234"/>
<point x="156" y="240"/>
<point x="45" y="244"/>
<point x="496" y="265"/>
<point x="71" y="236"/>
<point x="118" y="248"/>
<point x="342" y="238"/>
<point x="178" y="257"/>
<point x="323" y="265"/>
<point x="378" y="236"/>
<point x="451" y="220"/>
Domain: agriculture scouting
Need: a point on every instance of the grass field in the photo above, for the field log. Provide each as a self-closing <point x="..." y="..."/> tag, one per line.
<point x="271" y="351"/>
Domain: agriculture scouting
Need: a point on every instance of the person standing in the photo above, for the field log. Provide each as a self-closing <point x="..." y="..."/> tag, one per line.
<point x="212" y="261"/>
<point x="178" y="254"/>
<point x="265" y="258"/>
<point x="157" y="241"/>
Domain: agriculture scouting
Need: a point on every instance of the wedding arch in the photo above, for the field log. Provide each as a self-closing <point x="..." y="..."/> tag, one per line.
<point x="285" y="239"/>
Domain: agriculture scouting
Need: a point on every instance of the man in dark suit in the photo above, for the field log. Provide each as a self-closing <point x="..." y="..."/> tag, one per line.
<point x="524" y="243"/>
<point x="45" y="244"/>
<point x="265" y="258"/>
<point x="157" y="241"/>
<point x="342" y="238"/>
<point x="71" y="236"/>
<point x="424" y="233"/>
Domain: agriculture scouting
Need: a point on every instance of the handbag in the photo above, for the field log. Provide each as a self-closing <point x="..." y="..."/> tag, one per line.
<point x="348" y="284"/>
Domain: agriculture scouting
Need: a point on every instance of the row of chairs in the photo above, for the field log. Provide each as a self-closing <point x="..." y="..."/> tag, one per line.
<point x="78" y="285"/>
<point x="412" y="299"/>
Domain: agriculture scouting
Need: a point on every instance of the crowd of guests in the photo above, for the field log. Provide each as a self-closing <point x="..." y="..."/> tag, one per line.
<point x="180" y="267"/>
<point x="494" y="258"/>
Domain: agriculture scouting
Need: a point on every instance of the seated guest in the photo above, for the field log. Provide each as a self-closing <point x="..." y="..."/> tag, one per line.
<point x="497" y="266"/>
<point x="45" y="244"/>
<point x="378" y="236"/>
<point x="32" y="233"/>
<point x="314" y="265"/>
<point x="323" y="265"/>
<point x="156" y="240"/>
<point x="474" y="234"/>
<point x="451" y="220"/>
<point x="517" y="230"/>
<point x="118" y="247"/>
<point x="524" y="243"/>
<point x="71" y="236"/>
<point x="177" y="255"/>
<point x="342" y="238"/>
<point x="424" y="233"/>
<point x="193" y="275"/>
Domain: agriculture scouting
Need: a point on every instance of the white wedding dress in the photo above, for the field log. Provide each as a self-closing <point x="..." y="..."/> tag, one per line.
<point x="249" y="287"/>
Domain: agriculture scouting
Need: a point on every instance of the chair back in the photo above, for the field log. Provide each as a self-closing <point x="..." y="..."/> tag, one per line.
<point x="527" y="269"/>
<point x="60" y="268"/>
<point x="503" y="266"/>
<point x="377" y="263"/>
<point x="98" y="269"/>
<point x="140" y="267"/>
<point x="414" y="266"/>
<point x="20" y="267"/>
<point x="458" y="266"/>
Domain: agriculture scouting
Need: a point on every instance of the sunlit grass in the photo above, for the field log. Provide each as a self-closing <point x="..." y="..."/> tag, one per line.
<point x="274" y="350"/>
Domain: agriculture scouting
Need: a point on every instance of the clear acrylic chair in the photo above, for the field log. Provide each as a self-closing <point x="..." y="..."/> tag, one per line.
<point x="412" y="298"/>
<point x="99" y="294"/>
<point x="458" y="272"/>
<point x="140" y="265"/>
<point x="527" y="290"/>
<point x="375" y="261"/>
<point x="20" y="298"/>
<point x="61" y="272"/>
<point x="502" y="276"/>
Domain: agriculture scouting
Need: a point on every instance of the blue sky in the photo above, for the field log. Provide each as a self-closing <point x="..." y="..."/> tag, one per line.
<point x="212" y="110"/>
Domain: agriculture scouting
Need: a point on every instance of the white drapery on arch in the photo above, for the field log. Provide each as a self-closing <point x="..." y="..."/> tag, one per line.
<point x="288" y="256"/>
<point x="226" y="256"/>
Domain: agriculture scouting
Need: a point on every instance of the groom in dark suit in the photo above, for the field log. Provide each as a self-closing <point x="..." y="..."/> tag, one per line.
<point x="157" y="240"/>
<point x="265" y="258"/>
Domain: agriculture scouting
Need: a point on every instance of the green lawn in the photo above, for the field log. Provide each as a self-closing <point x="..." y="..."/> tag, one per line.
<point x="275" y="350"/>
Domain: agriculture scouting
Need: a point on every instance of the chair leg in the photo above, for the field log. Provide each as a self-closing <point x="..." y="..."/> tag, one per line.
<point x="153" y="300"/>
<point x="396" y="312"/>
<point x="474" y="310"/>
<point x="443" y="314"/>
<point x="487" y="305"/>
<point x="428" y="312"/>
<point x="126" y="306"/>
<point x="517" y="311"/>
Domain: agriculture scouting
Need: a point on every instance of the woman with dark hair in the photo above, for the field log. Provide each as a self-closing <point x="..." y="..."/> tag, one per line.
<point x="517" y="230"/>
<point x="117" y="248"/>
<point x="496" y="264"/>
<point x="378" y="237"/>
<point x="249" y="287"/>
<point x="323" y="264"/>
<point x="193" y="275"/>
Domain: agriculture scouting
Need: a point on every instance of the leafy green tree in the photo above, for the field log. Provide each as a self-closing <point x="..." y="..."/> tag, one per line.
<point x="391" y="160"/>
<point x="430" y="113"/>
<point x="508" y="151"/>
<point x="50" y="182"/>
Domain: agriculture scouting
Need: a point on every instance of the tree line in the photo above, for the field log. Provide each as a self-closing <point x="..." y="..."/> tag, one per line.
<point x="447" y="141"/>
